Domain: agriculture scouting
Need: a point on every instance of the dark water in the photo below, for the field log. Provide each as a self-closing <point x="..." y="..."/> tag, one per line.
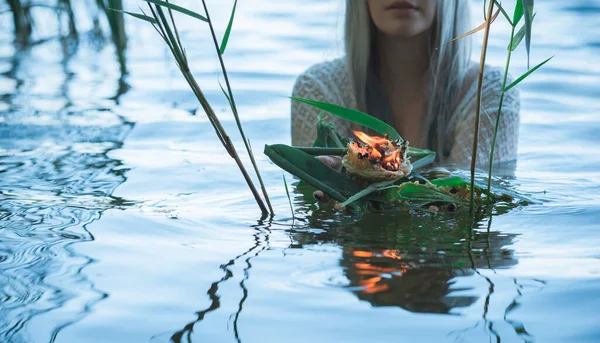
<point x="120" y="222"/>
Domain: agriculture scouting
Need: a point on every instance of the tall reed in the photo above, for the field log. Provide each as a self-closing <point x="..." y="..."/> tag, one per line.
<point x="478" y="108"/>
<point x="168" y="31"/>
<point x="117" y="28"/>
<point x="523" y="8"/>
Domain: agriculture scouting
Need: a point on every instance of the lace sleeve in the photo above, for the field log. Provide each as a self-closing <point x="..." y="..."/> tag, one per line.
<point x="320" y="83"/>
<point x="508" y="130"/>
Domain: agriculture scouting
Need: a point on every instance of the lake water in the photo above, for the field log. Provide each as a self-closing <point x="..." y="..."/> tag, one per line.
<point x="121" y="221"/>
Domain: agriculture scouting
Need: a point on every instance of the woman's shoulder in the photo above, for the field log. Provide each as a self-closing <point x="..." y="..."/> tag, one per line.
<point x="328" y="71"/>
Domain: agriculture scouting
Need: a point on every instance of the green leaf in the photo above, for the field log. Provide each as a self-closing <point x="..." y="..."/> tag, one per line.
<point x="518" y="13"/>
<point x="503" y="12"/>
<point x="451" y="181"/>
<point x="228" y="31"/>
<point x="518" y="38"/>
<point x="418" y="192"/>
<point x="314" y="172"/>
<point x="178" y="9"/>
<point x="528" y="14"/>
<point x="370" y="189"/>
<point x="136" y="15"/>
<point x="355" y="116"/>
<point x="522" y="77"/>
<point x="420" y="158"/>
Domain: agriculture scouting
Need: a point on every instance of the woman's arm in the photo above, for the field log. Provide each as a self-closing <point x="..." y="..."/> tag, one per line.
<point x="508" y="129"/>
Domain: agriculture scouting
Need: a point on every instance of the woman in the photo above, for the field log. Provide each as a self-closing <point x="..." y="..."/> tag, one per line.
<point x="398" y="68"/>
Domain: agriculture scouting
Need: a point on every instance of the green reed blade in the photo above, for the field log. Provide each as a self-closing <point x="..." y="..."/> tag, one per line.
<point x="178" y="9"/>
<point x="228" y="30"/>
<point x="136" y="15"/>
<point x="528" y="14"/>
<point x="313" y="172"/>
<point x="503" y="12"/>
<point x="355" y="116"/>
<point x="524" y="76"/>
<point x="518" y="37"/>
<point x="287" y="192"/>
<point x="518" y="14"/>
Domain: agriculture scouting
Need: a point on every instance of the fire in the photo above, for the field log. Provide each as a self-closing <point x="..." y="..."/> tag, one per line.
<point x="380" y="150"/>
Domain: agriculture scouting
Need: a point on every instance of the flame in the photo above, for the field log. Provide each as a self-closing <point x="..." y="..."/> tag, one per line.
<point x="382" y="150"/>
<point x="371" y="140"/>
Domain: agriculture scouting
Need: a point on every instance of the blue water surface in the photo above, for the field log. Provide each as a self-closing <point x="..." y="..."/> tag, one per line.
<point x="123" y="220"/>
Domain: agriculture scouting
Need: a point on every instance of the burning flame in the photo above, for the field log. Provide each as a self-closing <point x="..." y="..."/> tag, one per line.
<point x="382" y="150"/>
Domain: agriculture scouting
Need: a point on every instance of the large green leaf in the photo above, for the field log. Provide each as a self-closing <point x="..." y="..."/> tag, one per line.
<point x="354" y="116"/>
<point x="228" y="30"/>
<point x="178" y="9"/>
<point x="370" y="189"/>
<point x="524" y="76"/>
<point x="314" y="172"/>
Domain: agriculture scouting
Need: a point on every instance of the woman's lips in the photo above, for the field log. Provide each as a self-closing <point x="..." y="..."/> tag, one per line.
<point x="402" y="8"/>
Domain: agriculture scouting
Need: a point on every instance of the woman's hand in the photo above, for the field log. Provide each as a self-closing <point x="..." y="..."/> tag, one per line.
<point x="334" y="162"/>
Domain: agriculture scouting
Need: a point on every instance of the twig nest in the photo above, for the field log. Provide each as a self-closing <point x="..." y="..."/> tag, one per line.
<point x="377" y="159"/>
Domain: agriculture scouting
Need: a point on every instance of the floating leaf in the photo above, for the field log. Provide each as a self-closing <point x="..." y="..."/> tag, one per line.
<point x="418" y="192"/>
<point x="178" y="9"/>
<point x="136" y="15"/>
<point x="313" y="172"/>
<point x="228" y="30"/>
<point x="528" y="14"/>
<point x="370" y="189"/>
<point x="354" y="116"/>
<point x="420" y="158"/>
<point x="522" y="77"/>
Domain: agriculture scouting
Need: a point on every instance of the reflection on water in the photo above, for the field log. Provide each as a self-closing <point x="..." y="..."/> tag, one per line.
<point x="55" y="178"/>
<point x="168" y="249"/>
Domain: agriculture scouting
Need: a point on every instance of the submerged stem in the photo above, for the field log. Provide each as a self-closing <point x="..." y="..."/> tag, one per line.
<point x="478" y="108"/>
<point x="489" y="184"/>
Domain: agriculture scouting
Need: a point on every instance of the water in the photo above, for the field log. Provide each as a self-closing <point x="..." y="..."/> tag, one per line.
<point x="120" y="221"/>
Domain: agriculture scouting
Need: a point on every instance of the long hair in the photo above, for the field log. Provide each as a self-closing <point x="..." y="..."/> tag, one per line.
<point x="448" y="67"/>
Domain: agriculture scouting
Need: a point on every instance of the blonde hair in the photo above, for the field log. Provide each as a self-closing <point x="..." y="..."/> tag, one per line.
<point x="449" y="63"/>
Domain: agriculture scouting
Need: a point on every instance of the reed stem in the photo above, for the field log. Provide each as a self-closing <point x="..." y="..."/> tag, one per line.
<point x="489" y="184"/>
<point x="234" y="108"/>
<point x="174" y="45"/>
<point x="478" y="108"/>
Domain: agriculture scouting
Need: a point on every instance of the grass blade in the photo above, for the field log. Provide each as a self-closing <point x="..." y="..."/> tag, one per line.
<point x="424" y="159"/>
<point x="228" y="30"/>
<point x="355" y="116"/>
<point x="178" y="9"/>
<point x="528" y="14"/>
<point x="137" y="15"/>
<point x="417" y="192"/>
<point x="287" y="192"/>
<point x="522" y="77"/>
<point x="503" y="12"/>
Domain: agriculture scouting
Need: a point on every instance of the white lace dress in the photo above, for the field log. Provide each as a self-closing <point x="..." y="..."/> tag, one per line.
<point x="330" y="82"/>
